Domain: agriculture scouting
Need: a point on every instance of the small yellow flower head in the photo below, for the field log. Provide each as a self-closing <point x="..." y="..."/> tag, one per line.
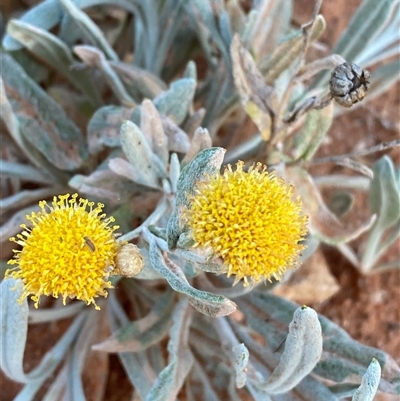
<point x="250" y="220"/>
<point x="68" y="251"/>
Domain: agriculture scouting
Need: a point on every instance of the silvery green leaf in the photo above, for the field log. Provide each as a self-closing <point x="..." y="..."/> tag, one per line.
<point x="272" y="24"/>
<point x="140" y="334"/>
<point x="95" y="58"/>
<point x="205" y="302"/>
<point x="14" y="319"/>
<point x="190" y="71"/>
<point x="25" y="197"/>
<point x="13" y="225"/>
<point x="303" y="349"/>
<point x="308" y="140"/>
<point x="90" y="30"/>
<point x="384" y="77"/>
<point x="23" y="172"/>
<point x="45" y="15"/>
<point x="201" y="140"/>
<point x="241" y="355"/>
<point x="136" y="365"/>
<point x="174" y="171"/>
<point x="51" y="50"/>
<point x="271" y="66"/>
<point x="202" y="263"/>
<point x="42" y="122"/>
<point x="225" y="28"/>
<point x="176" y="101"/>
<point x="146" y="165"/>
<point x="147" y="84"/>
<point x="341" y="203"/>
<point x="14" y="328"/>
<point x="343" y="357"/>
<point x="34" y="68"/>
<point x="367" y="21"/>
<point x="202" y="15"/>
<point x="369" y="383"/>
<point x="104" y="126"/>
<point x="105" y="184"/>
<point x="151" y="126"/>
<point x="180" y="358"/>
<point x="323" y="224"/>
<point x="384" y="196"/>
<point x="258" y="99"/>
<point x="343" y="390"/>
<point x="207" y="162"/>
<point x="384" y="45"/>
<point x="178" y="140"/>
<point x="194" y="121"/>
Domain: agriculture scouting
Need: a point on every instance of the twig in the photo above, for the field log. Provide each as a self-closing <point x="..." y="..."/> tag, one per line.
<point x="364" y="152"/>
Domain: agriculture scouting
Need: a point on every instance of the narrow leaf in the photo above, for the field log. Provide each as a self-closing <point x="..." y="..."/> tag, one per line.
<point x="205" y="302"/>
<point x="42" y="121"/>
<point x="180" y="358"/>
<point x="369" y="383"/>
<point x="51" y="50"/>
<point x="147" y="166"/>
<point x="206" y="162"/>
<point x="14" y="329"/>
<point x="176" y="101"/>
<point x="303" y="349"/>
<point x="384" y="196"/>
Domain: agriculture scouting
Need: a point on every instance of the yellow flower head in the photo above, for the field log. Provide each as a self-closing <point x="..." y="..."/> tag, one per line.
<point x="250" y="220"/>
<point x="68" y="251"/>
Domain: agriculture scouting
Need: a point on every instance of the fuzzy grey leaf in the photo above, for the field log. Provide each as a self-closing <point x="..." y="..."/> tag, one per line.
<point x="51" y="50"/>
<point x="257" y="98"/>
<point x="384" y="195"/>
<point x="303" y="349"/>
<point x="180" y="358"/>
<point x="91" y="31"/>
<point x="151" y="126"/>
<point x="42" y="121"/>
<point x="45" y="15"/>
<point x="178" y="140"/>
<point x="369" y="383"/>
<point x="207" y="162"/>
<point x="241" y="355"/>
<point x="14" y="329"/>
<point x="368" y="20"/>
<point x="105" y="184"/>
<point x="282" y="57"/>
<point x="205" y="302"/>
<point x="175" y="102"/>
<point x="146" y="165"/>
<point x="201" y="140"/>
<point x="104" y="126"/>
<point x="147" y="84"/>
<point x="308" y="140"/>
<point x="140" y="334"/>
<point x="95" y="58"/>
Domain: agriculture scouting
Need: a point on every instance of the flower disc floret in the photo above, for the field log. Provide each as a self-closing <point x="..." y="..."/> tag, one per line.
<point x="68" y="250"/>
<point x="250" y="220"/>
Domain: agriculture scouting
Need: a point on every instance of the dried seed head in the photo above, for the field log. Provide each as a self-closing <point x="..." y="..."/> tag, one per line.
<point x="128" y="262"/>
<point x="349" y="84"/>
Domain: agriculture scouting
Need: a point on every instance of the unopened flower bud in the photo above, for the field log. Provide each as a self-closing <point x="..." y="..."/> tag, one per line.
<point x="129" y="262"/>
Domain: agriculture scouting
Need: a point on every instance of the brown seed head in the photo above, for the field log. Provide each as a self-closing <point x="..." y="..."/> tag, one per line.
<point x="349" y="84"/>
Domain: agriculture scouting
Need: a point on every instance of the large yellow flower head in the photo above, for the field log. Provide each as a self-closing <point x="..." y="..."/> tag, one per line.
<point x="251" y="220"/>
<point x="69" y="250"/>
